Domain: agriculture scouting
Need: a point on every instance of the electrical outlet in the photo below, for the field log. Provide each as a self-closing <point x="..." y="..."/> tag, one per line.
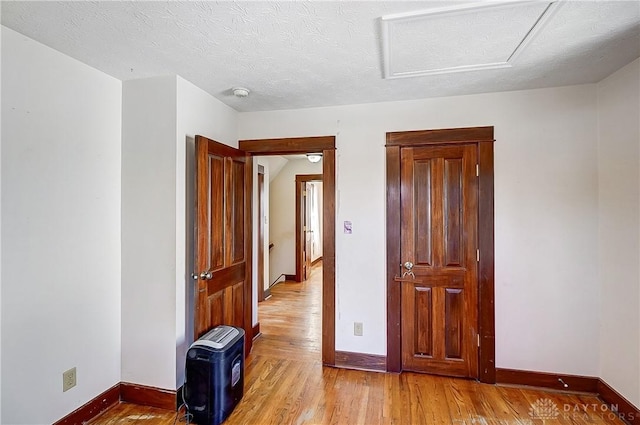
<point x="357" y="328"/>
<point x="68" y="379"/>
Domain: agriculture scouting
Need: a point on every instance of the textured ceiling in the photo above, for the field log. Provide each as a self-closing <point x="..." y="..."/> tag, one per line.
<point x="491" y="34"/>
<point x="295" y="54"/>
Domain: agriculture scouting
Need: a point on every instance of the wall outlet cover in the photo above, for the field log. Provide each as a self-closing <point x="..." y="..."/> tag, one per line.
<point x="68" y="379"/>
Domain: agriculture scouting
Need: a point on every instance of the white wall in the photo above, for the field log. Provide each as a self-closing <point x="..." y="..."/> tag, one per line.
<point x="316" y="248"/>
<point x="161" y="117"/>
<point x="545" y="204"/>
<point x="275" y="165"/>
<point x="60" y="231"/>
<point x="198" y="113"/>
<point x="148" y="231"/>
<point x="282" y="206"/>
<point x="619" y="230"/>
<point x="0" y="228"/>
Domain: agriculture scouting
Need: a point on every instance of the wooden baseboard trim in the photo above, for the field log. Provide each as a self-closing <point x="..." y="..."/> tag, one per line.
<point x="256" y="331"/>
<point x="373" y="362"/>
<point x="148" y="396"/>
<point x="622" y="407"/>
<point x="93" y="407"/>
<point x="316" y="261"/>
<point x="555" y="381"/>
<point x="179" y="398"/>
<point x="290" y="277"/>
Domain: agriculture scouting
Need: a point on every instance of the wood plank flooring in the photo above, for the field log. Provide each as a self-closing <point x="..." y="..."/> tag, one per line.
<point x="285" y="383"/>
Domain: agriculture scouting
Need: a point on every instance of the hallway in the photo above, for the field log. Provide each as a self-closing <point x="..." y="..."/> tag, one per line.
<point x="292" y="319"/>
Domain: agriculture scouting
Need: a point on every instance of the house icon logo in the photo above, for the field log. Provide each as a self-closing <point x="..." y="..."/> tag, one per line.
<point x="544" y="409"/>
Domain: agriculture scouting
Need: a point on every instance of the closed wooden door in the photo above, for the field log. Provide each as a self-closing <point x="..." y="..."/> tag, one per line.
<point x="438" y="251"/>
<point x="223" y="234"/>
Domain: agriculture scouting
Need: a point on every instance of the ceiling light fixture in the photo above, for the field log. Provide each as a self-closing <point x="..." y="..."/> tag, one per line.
<point x="314" y="157"/>
<point x="240" y="92"/>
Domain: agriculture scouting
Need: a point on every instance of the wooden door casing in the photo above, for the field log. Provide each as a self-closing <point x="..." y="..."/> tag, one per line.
<point x="483" y="139"/>
<point x="438" y="235"/>
<point x="326" y="145"/>
<point x="223" y="235"/>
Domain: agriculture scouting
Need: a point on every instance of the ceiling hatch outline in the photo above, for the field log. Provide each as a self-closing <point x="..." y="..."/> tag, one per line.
<point x="391" y="26"/>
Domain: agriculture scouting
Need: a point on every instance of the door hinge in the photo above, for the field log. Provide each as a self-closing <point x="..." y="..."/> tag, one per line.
<point x="477" y="255"/>
<point x="478" y="339"/>
<point x="477" y="170"/>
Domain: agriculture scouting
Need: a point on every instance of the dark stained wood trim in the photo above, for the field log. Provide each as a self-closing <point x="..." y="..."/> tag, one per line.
<point x="303" y="178"/>
<point x="483" y="138"/>
<point x="93" y="407"/>
<point x="293" y="145"/>
<point x="575" y="383"/>
<point x="310" y="145"/>
<point x="179" y="398"/>
<point x="486" y="277"/>
<point x="329" y="257"/>
<point x="300" y="180"/>
<point x="373" y="362"/>
<point x="256" y="331"/>
<point x="439" y="137"/>
<point x="248" y="254"/>
<point x="625" y="409"/>
<point x="267" y="293"/>
<point x="148" y="396"/>
<point x="316" y="261"/>
<point x="394" y="351"/>
<point x="290" y="277"/>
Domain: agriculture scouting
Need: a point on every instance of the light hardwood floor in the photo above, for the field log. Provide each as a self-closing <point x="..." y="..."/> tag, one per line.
<point x="285" y="383"/>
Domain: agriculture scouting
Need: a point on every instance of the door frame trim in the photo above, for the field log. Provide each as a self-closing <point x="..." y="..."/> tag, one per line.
<point x="483" y="137"/>
<point x="300" y="180"/>
<point x="326" y="145"/>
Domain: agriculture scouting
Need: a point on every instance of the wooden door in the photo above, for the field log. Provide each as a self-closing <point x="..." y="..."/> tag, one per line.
<point x="308" y="233"/>
<point x="223" y="234"/>
<point x="439" y="207"/>
<point x="303" y="248"/>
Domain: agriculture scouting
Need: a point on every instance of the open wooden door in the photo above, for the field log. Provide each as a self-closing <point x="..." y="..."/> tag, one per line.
<point x="223" y="235"/>
<point x="308" y="232"/>
<point x="303" y="233"/>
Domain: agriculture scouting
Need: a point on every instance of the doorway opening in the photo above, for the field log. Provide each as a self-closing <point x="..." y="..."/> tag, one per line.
<point x="290" y="233"/>
<point x="302" y="146"/>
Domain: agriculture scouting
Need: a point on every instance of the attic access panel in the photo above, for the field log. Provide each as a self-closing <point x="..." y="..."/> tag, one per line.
<point x="460" y="38"/>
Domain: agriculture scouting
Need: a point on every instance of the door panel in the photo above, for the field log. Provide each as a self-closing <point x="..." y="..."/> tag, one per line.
<point x="438" y="234"/>
<point x="215" y="244"/>
<point x="223" y="263"/>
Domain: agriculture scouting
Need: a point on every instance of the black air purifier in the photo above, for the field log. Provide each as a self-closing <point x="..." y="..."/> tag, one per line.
<point x="214" y="375"/>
